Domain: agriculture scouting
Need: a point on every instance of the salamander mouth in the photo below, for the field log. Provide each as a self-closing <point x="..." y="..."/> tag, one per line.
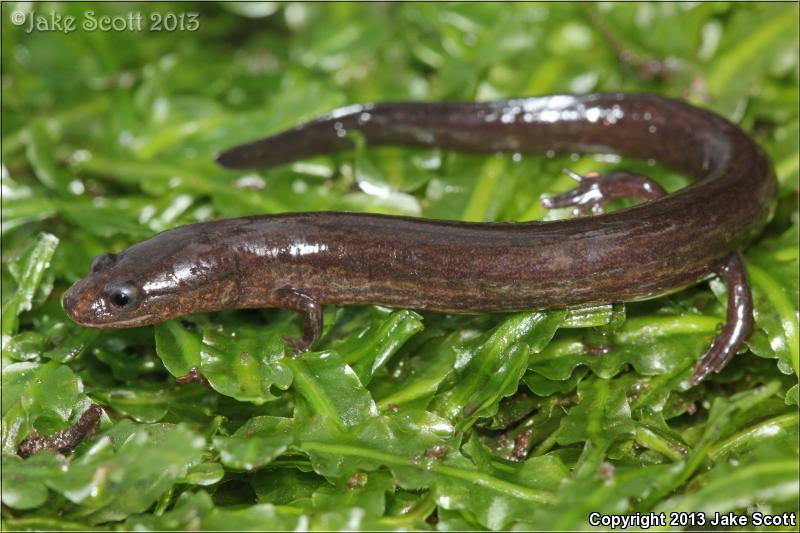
<point x="141" y="320"/>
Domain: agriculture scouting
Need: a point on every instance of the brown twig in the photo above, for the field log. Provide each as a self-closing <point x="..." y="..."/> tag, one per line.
<point x="63" y="440"/>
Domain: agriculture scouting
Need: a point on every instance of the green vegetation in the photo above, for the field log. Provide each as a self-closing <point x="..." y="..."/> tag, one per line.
<point x="401" y="419"/>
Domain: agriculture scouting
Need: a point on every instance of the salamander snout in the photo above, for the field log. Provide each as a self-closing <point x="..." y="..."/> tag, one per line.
<point x="82" y="305"/>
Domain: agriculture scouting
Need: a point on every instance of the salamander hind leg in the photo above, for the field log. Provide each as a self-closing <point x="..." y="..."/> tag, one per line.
<point x="309" y="310"/>
<point x="591" y="195"/>
<point x="595" y="191"/>
<point x="739" y="321"/>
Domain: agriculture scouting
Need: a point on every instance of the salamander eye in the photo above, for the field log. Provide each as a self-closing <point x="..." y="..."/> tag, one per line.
<point x="122" y="295"/>
<point x="103" y="261"/>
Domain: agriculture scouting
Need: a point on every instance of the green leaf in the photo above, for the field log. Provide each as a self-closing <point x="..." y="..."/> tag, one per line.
<point x="774" y="272"/>
<point x="793" y="395"/>
<point x="21" y="205"/>
<point x="331" y="388"/>
<point x="771" y="475"/>
<point x="612" y="491"/>
<point x="197" y="511"/>
<point x="425" y="374"/>
<point x="243" y="362"/>
<point x="414" y="449"/>
<point x="542" y="386"/>
<point x="286" y="486"/>
<point x="497" y="495"/>
<point x="397" y="440"/>
<point x="59" y="341"/>
<point x="377" y="188"/>
<point x="369" y="348"/>
<point x="127" y="353"/>
<point x="204" y="474"/>
<point x="38" y="397"/>
<point x="178" y="348"/>
<point x="256" y="443"/>
<point x="653" y="345"/>
<point x="494" y="367"/>
<point x="602" y="415"/>
<point x="737" y="70"/>
<point x="723" y="411"/>
<point x="40" y="155"/>
<point x="150" y="402"/>
<point x="108" y="218"/>
<point x="754" y="435"/>
<point x="28" y="269"/>
<point x="24" y="481"/>
<point x="111" y="484"/>
<point x="366" y="491"/>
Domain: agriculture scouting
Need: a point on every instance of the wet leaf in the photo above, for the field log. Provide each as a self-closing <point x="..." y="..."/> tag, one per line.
<point x="495" y="366"/>
<point x="197" y="510"/>
<point x="28" y="270"/>
<point x="244" y="363"/>
<point x="601" y="416"/>
<point x="40" y="155"/>
<point x="774" y="274"/>
<point x="331" y="388"/>
<point x="112" y="484"/>
<point x="256" y="443"/>
<point x="42" y="398"/>
<point x="178" y="348"/>
<point x="370" y="347"/>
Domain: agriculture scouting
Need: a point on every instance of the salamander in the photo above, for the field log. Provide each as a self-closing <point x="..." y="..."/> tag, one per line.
<point x="302" y="261"/>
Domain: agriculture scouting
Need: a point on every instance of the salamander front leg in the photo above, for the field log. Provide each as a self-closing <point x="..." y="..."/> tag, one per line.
<point x="739" y="322"/>
<point x="595" y="190"/>
<point x="309" y="310"/>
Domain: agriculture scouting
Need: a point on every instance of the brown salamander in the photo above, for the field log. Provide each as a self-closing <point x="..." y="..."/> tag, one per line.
<point x="303" y="261"/>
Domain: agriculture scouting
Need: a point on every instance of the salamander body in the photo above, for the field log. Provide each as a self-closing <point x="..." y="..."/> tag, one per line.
<point x="303" y="261"/>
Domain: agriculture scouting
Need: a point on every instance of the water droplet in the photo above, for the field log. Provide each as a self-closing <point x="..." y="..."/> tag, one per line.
<point x="126" y="138"/>
<point x="22" y="54"/>
<point x="76" y="187"/>
<point x="593" y="114"/>
<point x="508" y="118"/>
<point x="250" y="181"/>
<point x="80" y="156"/>
<point x="516" y="157"/>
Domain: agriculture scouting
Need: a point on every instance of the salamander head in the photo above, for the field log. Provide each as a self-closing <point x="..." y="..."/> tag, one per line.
<point x="151" y="282"/>
<point x="107" y="297"/>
